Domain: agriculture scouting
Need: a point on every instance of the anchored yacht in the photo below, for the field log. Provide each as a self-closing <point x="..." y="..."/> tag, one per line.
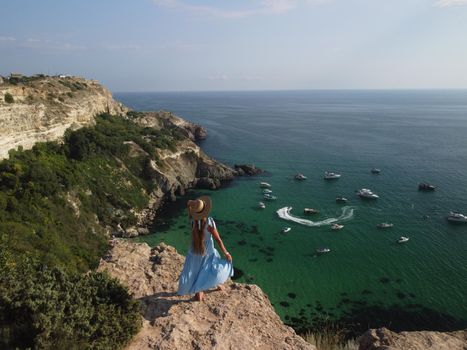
<point x="366" y="193"/>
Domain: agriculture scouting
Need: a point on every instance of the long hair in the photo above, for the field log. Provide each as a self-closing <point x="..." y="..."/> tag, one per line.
<point x="197" y="234"/>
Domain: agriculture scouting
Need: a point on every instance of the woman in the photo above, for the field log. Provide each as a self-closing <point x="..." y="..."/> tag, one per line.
<point x="203" y="267"/>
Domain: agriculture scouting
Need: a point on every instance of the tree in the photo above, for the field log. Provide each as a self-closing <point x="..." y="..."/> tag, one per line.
<point x="9" y="98"/>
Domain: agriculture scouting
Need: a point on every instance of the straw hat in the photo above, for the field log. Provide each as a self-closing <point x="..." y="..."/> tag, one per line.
<point x="199" y="208"/>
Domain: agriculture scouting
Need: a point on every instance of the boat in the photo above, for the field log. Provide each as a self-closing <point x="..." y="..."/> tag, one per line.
<point x="286" y="229"/>
<point x="457" y="217"/>
<point x="403" y="239"/>
<point x="261" y="205"/>
<point x="331" y="176"/>
<point x="323" y="250"/>
<point x="264" y="185"/>
<point x="384" y="225"/>
<point x="300" y="177"/>
<point x="269" y="197"/>
<point x="310" y="211"/>
<point x="376" y="171"/>
<point x="426" y="187"/>
<point x="336" y="227"/>
<point x="341" y="199"/>
<point x="267" y="190"/>
<point x="366" y="193"/>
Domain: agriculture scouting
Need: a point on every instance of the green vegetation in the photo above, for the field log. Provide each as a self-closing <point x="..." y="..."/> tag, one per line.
<point x="49" y="308"/>
<point x="9" y="98"/>
<point x="56" y="201"/>
<point x="327" y="335"/>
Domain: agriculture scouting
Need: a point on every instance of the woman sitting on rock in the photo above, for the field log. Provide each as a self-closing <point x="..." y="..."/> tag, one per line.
<point x="203" y="267"/>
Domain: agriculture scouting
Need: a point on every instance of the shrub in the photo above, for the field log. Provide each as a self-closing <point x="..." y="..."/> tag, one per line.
<point x="9" y="98"/>
<point x="48" y="308"/>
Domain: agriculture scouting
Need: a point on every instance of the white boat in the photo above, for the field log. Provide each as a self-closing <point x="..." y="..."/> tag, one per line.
<point x="261" y="205"/>
<point x="457" y="217"/>
<point x="269" y="197"/>
<point x="267" y="190"/>
<point x="341" y="199"/>
<point x="403" y="239"/>
<point x="384" y="225"/>
<point x="366" y="193"/>
<point x="310" y="211"/>
<point x="300" y="177"/>
<point x="286" y="229"/>
<point x="323" y="250"/>
<point x="328" y="175"/>
<point x="336" y="227"/>
<point x="376" y="171"/>
<point x="264" y="185"/>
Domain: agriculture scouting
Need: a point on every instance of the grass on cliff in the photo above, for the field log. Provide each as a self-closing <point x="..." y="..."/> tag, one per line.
<point x="327" y="335"/>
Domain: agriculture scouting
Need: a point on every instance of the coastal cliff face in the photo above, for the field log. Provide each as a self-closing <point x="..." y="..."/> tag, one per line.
<point x="384" y="339"/>
<point x="42" y="108"/>
<point x="241" y="317"/>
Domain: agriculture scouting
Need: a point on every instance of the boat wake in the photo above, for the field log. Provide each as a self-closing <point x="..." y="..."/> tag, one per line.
<point x="284" y="213"/>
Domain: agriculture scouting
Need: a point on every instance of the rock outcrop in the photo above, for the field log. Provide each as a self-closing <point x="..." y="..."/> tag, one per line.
<point x="44" y="107"/>
<point x="241" y="317"/>
<point x="384" y="339"/>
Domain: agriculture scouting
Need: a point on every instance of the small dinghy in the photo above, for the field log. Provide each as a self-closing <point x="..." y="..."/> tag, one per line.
<point x="323" y="250"/>
<point x="300" y="177"/>
<point x="261" y="205"/>
<point x="403" y="239"/>
<point x="426" y="187"/>
<point x="376" y="171"/>
<point x="269" y="197"/>
<point x="267" y="190"/>
<point x="336" y="227"/>
<point x="310" y="211"/>
<point x="264" y="185"/>
<point x="286" y="229"/>
<point x="341" y="199"/>
<point x="384" y="225"/>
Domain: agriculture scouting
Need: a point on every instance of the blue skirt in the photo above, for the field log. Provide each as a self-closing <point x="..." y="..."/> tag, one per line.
<point x="202" y="272"/>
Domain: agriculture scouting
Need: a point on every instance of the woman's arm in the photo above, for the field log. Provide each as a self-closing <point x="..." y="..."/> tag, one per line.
<point x="218" y="239"/>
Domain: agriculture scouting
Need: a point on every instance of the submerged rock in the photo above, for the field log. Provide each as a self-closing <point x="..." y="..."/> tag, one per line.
<point x="247" y="169"/>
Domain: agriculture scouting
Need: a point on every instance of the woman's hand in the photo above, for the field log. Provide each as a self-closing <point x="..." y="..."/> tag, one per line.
<point x="228" y="256"/>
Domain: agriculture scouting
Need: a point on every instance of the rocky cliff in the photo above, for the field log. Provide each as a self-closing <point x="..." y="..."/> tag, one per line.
<point x="384" y="339"/>
<point x="41" y="108"/>
<point x="241" y="317"/>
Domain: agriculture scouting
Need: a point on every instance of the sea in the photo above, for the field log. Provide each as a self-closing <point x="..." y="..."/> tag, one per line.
<point x="367" y="279"/>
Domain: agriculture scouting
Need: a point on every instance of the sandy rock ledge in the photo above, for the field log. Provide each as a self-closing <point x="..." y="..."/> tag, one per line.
<point x="241" y="317"/>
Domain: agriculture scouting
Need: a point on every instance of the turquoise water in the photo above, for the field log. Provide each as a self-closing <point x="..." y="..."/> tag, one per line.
<point x="367" y="279"/>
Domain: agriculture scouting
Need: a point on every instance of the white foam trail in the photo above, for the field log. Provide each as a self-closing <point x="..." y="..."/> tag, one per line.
<point x="284" y="213"/>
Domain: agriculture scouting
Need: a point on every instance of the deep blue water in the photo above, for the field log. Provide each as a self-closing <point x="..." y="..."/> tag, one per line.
<point x="412" y="136"/>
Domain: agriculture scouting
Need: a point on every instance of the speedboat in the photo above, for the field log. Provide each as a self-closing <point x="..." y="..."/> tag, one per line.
<point x="300" y="177"/>
<point x="366" y="193"/>
<point x="310" y="211"/>
<point x="336" y="227"/>
<point x="341" y="199"/>
<point x="376" y="171"/>
<point x="457" y="217"/>
<point x="323" y="250"/>
<point x="264" y="185"/>
<point x="331" y="176"/>
<point x="403" y="239"/>
<point x="261" y="205"/>
<point x="426" y="187"/>
<point x="384" y="225"/>
<point x="286" y="229"/>
<point x="269" y="197"/>
<point x="267" y="190"/>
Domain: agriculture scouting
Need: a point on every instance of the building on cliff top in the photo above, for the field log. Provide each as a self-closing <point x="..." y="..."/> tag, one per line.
<point x="16" y="75"/>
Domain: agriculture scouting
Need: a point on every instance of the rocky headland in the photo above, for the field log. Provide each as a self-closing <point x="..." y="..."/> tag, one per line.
<point x="241" y="317"/>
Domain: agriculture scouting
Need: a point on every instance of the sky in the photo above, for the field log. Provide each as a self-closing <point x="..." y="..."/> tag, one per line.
<point x="213" y="45"/>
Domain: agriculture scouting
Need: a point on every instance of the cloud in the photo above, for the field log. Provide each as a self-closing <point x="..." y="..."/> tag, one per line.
<point x="450" y="3"/>
<point x="262" y="7"/>
<point x="7" y="38"/>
